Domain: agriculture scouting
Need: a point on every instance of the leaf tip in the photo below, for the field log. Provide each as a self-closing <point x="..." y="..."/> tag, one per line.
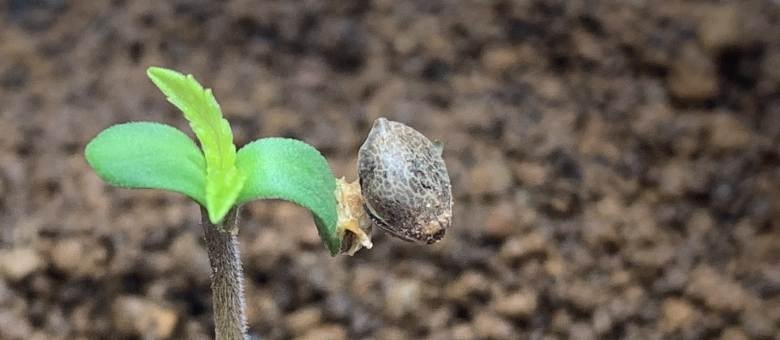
<point x="156" y="71"/>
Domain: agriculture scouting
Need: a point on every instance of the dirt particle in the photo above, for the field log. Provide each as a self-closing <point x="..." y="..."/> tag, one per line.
<point x="720" y="27"/>
<point x="330" y="332"/>
<point x="136" y="316"/>
<point x="531" y="174"/>
<point x="582" y="331"/>
<point x="468" y="286"/>
<point x="676" y="314"/>
<point x="727" y="132"/>
<point x="301" y="320"/>
<point x="78" y="258"/>
<point x="521" y="304"/>
<point x="693" y="76"/>
<point x="561" y="321"/>
<point x="585" y="296"/>
<point x="18" y="263"/>
<point x="491" y="326"/>
<point x="523" y="246"/>
<point x="501" y="221"/>
<point x="733" y="333"/>
<point x="490" y="177"/>
<point x="403" y="297"/>
<point x="757" y="324"/>
<point x="499" y="59"/>
<point x="716" y="291"/>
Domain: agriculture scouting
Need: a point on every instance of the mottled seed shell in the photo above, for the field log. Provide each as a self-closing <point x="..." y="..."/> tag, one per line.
<point x="405" y="183"/>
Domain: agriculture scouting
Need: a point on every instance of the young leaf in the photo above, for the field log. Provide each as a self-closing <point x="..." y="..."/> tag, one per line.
<point x="223" y="179"/>
<point x="148" y="155"/>
<point x="288" y="169"/>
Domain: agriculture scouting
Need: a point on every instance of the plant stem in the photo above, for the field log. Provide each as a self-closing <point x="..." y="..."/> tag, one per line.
<point x="226" y="276"/>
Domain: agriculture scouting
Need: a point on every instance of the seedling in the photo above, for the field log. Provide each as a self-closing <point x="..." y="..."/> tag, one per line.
<point x="407" y="189"/>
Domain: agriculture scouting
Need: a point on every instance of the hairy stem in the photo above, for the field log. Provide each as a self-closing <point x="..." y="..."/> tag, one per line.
<point x="226" y="276"/>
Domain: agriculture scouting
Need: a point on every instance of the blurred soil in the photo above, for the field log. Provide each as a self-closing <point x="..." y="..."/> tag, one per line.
<point x="616" y="167"/>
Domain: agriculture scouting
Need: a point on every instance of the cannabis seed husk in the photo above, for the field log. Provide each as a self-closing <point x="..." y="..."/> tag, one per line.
<point x="405" y="183"/>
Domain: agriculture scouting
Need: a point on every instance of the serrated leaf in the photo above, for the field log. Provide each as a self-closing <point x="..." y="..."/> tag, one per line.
<point x="200" y="108"/>
<point x="288" y="169"/>
<point x="148" y="155"/>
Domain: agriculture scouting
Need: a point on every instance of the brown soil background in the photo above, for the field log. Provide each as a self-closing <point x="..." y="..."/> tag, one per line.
<point x="615" y="165"/>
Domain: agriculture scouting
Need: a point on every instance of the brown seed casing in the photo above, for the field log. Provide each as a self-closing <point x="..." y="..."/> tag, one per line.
<point x="405" y="184"/>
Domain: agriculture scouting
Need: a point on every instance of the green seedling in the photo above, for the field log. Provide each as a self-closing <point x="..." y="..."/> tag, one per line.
<point x="158" y="156"/>
<point x="404" y="187"/>
<point x="219" y="178"/>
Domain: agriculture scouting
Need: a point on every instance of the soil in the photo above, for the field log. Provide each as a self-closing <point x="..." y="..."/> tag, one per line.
<point x="615" y="167"/>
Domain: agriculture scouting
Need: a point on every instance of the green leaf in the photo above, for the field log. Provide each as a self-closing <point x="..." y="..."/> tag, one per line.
<point x="148" y="155"/>
<point x="223" y="180"/>
<point x="288" y="169"/>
